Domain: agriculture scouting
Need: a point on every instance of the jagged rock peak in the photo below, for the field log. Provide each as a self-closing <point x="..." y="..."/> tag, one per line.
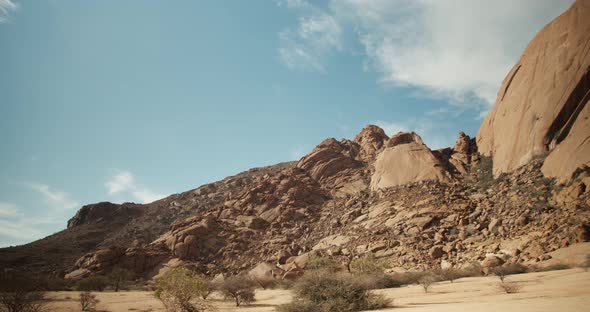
<point x="462" y="144"/>
<point x="103" y="211"/>
<point x="371" y="140"/>
<point x="330" y="157"/>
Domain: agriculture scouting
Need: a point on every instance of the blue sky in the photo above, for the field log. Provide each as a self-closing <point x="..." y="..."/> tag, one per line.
<point x="134" y="100"/>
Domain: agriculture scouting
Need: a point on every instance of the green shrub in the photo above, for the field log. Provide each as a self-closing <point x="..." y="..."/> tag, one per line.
<point x="239" y="288"/>
<point x="93" y="283"/>
<point x="325" y="291"/>
<point x="181" y="290"/>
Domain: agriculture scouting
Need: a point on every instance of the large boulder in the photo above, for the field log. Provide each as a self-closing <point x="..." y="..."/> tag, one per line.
<point x="542" y="104"/>
<point x="406" y="159"/>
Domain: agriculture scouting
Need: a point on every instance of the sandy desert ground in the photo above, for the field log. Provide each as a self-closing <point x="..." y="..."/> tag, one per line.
<point x="565" y="290"/>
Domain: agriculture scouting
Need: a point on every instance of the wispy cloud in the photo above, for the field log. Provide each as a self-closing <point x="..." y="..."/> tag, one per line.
<point x="19" y="230"/>
<point x="120" y="182"/>
<point x="56" y="199"/>
<point x="124" y="182"/>
<point x="458" y="50"/>
<point x="306" y="47"/>
<point x="6" y="6"/>
<point x="8" y="210"/>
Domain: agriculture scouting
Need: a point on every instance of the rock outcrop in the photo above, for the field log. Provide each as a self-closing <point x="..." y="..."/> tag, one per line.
<point x="406" y="159"/>
<point x="371" y="140"/>
<point x="542" y="104"/>
<point x="330" y="157"/>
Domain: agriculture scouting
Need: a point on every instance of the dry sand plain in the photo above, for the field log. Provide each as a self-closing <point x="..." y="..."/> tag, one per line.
<point x="565" y="290"/>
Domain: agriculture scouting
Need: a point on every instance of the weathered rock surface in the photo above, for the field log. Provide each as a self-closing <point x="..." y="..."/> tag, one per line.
<point x="406" y="159"/>
<point x="542" y="104"/>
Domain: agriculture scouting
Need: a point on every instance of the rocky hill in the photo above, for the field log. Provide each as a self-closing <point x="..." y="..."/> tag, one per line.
<point x="517" y="191"/>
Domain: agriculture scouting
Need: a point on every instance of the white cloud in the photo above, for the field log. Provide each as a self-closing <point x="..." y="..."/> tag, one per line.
<point x="8" y="210"/>
<point x="124" y="181"/>
<point x="305" y="48"/>
<point x="6" y="6"/>
<point x="55" y="199"/>
<point x="459" y="50"/>
<point x="120" y="182"/>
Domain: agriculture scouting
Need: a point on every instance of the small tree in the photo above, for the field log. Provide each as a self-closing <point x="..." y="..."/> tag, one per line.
<point x="426" y="281"/>
<point x="181" y="291"/>
<point x="20" y="293"/>
<point x="238" y="287"/>
<point x="88" y="301"/>
<point x="119" y="276"/>
<point x="500" y="272"/>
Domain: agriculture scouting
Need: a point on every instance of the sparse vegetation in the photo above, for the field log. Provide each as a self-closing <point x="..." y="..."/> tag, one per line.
<point x="366" y="265"/>
<point x="327" y="292"/>
<point x="449" y="274"/>
<point x="510" y="288"/>
<point x="473" y="270"/>
<point x="119" y="277"/>
<point x="88" y="301"/>
<point x="93" y="283"/>
<point x="426" y="281"/>
<point x="20" y="293"/>
<point x="554" y="267"/>
<point x="182" y="290"/>
<point x="322" y="263"/>
<point x="239" y="288"/>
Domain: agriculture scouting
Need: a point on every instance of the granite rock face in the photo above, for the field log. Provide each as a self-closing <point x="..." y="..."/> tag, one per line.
<point x="541" y="106"/>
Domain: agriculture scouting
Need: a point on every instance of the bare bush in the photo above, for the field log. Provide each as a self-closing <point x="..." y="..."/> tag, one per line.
<point x="88" y="301"/>
<point x="426" y="281"/>
<point x="239" y="288"/>
<point x="510" y="288"/>
<point x="20" y="293"/>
